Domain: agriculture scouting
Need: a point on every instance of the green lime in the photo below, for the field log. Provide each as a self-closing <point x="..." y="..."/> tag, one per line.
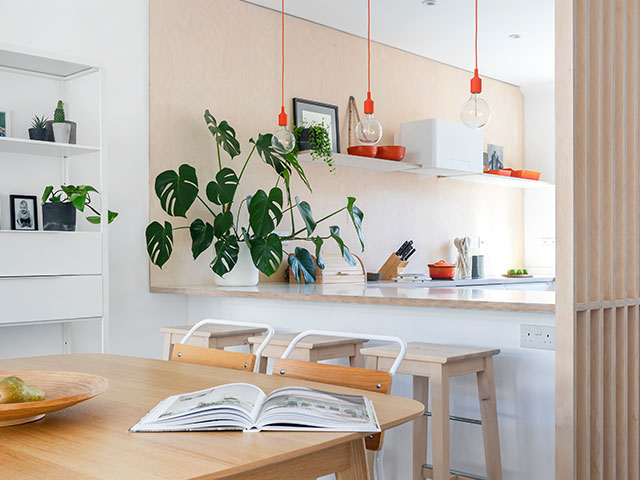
<point x="518" y="272"/>
<point x="525" y="271"/>
<point x="511" y="272"/>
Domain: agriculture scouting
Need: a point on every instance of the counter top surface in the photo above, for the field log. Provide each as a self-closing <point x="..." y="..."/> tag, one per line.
<point x="383" y="293"/>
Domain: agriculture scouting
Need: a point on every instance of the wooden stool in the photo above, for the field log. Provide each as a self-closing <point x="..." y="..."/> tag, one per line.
<point x="432" y="365"/>
<point x="209" y="336"/>
<point x="312" y="349"/>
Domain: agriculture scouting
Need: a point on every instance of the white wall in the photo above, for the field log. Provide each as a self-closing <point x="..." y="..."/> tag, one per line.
<point x="114" y="33"/>
<point x="539" y="154"/>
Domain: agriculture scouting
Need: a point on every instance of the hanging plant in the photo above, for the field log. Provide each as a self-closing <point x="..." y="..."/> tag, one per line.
<point x="315" y="137"/>
<point x="222" y="233"/>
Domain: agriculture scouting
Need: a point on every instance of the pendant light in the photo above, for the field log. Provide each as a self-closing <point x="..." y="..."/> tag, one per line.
<point x="475" y="112"/>
<point x="283" y="140"/>
<point x="368" y="130"/>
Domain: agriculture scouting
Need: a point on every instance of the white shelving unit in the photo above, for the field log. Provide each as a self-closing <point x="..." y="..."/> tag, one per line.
<point x="363" y="163"/>
<point x="499" y="180"/>
<point x="53" y="277"/>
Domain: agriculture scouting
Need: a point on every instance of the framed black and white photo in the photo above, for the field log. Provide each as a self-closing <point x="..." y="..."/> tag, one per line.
<point x="495" y="157"/>
<point x="24" y="212"/>
<point x="307" y="112"/>
<point x="5" y="122"/>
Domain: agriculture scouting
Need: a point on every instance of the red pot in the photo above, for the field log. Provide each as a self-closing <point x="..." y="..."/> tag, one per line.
<point x="442" y="270"/>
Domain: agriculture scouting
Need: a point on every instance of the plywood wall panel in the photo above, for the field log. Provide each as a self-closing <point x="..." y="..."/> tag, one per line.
<point x="620" y="372"/>
<point x="633" y="349"/>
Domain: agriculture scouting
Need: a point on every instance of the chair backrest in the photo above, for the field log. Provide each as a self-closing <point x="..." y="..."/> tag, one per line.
<point x="361" y="378"/>
<point x="220" y="358"/>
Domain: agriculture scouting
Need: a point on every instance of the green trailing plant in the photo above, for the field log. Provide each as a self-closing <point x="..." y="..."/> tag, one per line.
<point x="79" y="196"/>
<point x="39" y="122"/>
<point x="222" y="233"/>
<point x="58" y="115"/>
<point x="319" y="141"/>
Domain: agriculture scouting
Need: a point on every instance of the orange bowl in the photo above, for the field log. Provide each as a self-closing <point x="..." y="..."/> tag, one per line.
<point x="363" y="151"/>
<point x="442" y="270"/>
<point x="391" y="152"/>
<point x="528" y="174"/>
<point x="504" y="173"/>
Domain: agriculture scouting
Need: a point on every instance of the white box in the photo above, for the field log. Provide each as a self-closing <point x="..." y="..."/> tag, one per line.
<point x="441" y="147"/>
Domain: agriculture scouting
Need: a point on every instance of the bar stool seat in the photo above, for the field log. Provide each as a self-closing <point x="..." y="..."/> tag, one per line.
<point x="208" y="336"/>
<point x="313" y="348"/>
<point x="432" y="366"/>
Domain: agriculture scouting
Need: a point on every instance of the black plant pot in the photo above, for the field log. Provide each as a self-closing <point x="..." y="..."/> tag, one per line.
<point x="59" y="216"/>
<point x="303" y="140"/>
<point x="38" y="134"/>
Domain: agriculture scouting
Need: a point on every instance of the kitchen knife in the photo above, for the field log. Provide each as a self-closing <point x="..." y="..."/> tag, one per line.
<point x="402" y="248"/>
<point x="408" y="254"/>
<point x="406" y="248"/>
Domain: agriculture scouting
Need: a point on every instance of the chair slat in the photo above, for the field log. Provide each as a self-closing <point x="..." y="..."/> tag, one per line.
<point x="212" y="357"/>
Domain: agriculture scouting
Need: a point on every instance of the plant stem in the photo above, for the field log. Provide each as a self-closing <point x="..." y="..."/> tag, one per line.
<point x="219" y="159"/>
<point x="238" y="214"/>
<point x="321" y="220"/>
<point x="179" y="228"/>
<point x="246" y="162"/>
<point x="207" y="206"/>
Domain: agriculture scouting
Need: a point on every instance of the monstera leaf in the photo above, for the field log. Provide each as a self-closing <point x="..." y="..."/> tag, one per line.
<point x="159" y="242"/>
<point x="356" y="217"/>
<point x="224" y="187"/>
<point x="177" y="191"/>
<point x="302" y="266"/>
<point x="307" y="217"/>
<point x="265" y="211"/>
<point x="222" y="224"/>
<point x="267" y="253"/>
<point x="334" y="231"/>
<point x="201" y="237"/>
<point x="226" y="257"/>
<point x="269" y="155"/>
<point x="318" y="241"/>
<point x="292" y="160"/>
<point x="224" y="134"/>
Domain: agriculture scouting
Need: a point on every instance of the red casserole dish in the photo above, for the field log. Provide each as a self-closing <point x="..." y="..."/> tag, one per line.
<point x="441" y="270"/>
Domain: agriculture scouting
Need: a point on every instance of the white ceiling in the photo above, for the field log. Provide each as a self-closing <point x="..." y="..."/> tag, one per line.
<point x="444" y="31"/>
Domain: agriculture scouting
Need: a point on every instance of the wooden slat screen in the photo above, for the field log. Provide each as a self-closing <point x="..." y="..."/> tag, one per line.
<point x="598" y="228"/>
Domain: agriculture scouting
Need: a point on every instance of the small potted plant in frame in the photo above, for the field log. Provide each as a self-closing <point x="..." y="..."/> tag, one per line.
<point x="315" y="137"/>
<point x="59" y="207"/>
<point x="38" y="130"/>
<point x="64" y="131"/>
<point x="240" y="248"/>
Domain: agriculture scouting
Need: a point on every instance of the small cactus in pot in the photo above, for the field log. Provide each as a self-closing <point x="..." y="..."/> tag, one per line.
<point x="61" y="128"/>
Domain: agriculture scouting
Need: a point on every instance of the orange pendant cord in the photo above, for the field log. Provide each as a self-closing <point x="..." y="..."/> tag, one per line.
<point x="476" y="81"/>
<point x="282" y="118"/>
<point x="368" y="103"/>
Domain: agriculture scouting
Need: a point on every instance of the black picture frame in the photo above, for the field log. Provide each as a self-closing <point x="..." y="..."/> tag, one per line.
<point x="301" y="105"/>
<point x="32" y="208"/>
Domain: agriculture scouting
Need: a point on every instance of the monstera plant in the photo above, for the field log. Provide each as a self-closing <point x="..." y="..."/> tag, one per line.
<point x="222" y="233"/>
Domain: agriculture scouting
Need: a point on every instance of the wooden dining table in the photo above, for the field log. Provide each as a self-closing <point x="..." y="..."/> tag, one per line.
<point x="91" y="440"/>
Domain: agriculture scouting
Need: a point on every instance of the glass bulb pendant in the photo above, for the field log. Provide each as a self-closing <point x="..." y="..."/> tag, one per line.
<point x="283" y="141"/>
<point x="368" y="130"/>
<point x="475" y="112"/>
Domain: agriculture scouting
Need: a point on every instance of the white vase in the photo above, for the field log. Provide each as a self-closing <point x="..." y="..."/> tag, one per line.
<point x="244" y="274"/>
<point x="61" y="132"/>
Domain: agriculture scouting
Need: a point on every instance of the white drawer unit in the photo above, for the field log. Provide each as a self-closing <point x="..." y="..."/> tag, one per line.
<point x="50" y="253"/>
<point x="45" y="299"/>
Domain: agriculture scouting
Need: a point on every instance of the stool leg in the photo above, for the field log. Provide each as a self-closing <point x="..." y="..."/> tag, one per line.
<point x="357" y="360"/>
<point x="439" y="384"/>
<point x="420" y="426"/>
<point x="489" y="412"/>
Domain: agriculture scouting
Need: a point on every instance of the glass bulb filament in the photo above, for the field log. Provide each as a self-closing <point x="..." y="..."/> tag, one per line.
<point x="283" y="141"/>
<point x="368" y="130"/>
<point x="475" y="112"/>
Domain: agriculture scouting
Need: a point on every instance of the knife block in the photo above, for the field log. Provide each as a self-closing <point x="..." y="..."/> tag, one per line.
<point x="393" y="267"/>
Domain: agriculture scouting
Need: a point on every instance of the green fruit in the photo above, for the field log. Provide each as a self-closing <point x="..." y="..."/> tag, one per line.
<point x="518" y="272"/>
<point x="14" y="390"/>
<point x="525" y="271"/>
<point x="511" y="272"/>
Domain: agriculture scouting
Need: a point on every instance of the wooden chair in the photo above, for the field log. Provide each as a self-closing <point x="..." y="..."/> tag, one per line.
<point x="362" y="378"/>
<point x="220" y="358"/>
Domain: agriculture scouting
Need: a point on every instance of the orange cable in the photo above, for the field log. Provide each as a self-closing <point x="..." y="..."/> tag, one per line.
<point x="369" y="45"/>
<point x="476" y="34"/>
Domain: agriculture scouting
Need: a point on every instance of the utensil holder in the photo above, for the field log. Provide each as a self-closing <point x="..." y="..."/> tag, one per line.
<point x="392" y="267"/>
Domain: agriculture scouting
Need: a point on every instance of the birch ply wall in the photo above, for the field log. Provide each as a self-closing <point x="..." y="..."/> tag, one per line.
<point x="598" y="294"/>
<point x="224" y="55"/>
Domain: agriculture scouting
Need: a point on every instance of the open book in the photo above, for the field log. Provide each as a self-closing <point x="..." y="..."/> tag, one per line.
<point x="241" y="406"/>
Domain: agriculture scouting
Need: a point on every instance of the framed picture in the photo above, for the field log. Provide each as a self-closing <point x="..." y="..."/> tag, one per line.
<point x="495" y="157"/>
<point x="5" y="122"/>
<point x="24" y="212"/>
<point x="308" y="111"/>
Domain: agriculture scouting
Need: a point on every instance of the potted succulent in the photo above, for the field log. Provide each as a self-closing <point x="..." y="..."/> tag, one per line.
<point x="240" y="249"/>
<point x="38" y="130"/>
<point x="61" y="129"/>
<point x="59" y="207"/>
<point x="315" y="137"/>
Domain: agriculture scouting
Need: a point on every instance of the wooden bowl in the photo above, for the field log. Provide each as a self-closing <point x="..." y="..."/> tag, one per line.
<point x="62" y="390"/>
<point x="391" y="152"/>
<point x="363" y="151"/>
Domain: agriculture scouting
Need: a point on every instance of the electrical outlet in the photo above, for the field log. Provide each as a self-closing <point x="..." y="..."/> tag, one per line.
<point x="542" y="337"/>
<point x="548" y="241"/>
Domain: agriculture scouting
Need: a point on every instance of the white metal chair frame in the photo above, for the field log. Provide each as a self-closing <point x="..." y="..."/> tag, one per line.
<point x="379" y="472"/>
<point x="211" y="321"/>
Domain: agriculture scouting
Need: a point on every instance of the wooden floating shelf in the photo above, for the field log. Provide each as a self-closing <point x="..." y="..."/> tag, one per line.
<point x="40" y="148"/>
<point x="499" y="180"/>
<point x="363" y="163"/>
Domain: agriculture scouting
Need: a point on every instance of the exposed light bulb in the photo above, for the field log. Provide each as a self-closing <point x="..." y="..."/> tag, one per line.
<point x="283" y="141"/>
<point x="475" y="112"/>
<point x="368" y="130"/>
